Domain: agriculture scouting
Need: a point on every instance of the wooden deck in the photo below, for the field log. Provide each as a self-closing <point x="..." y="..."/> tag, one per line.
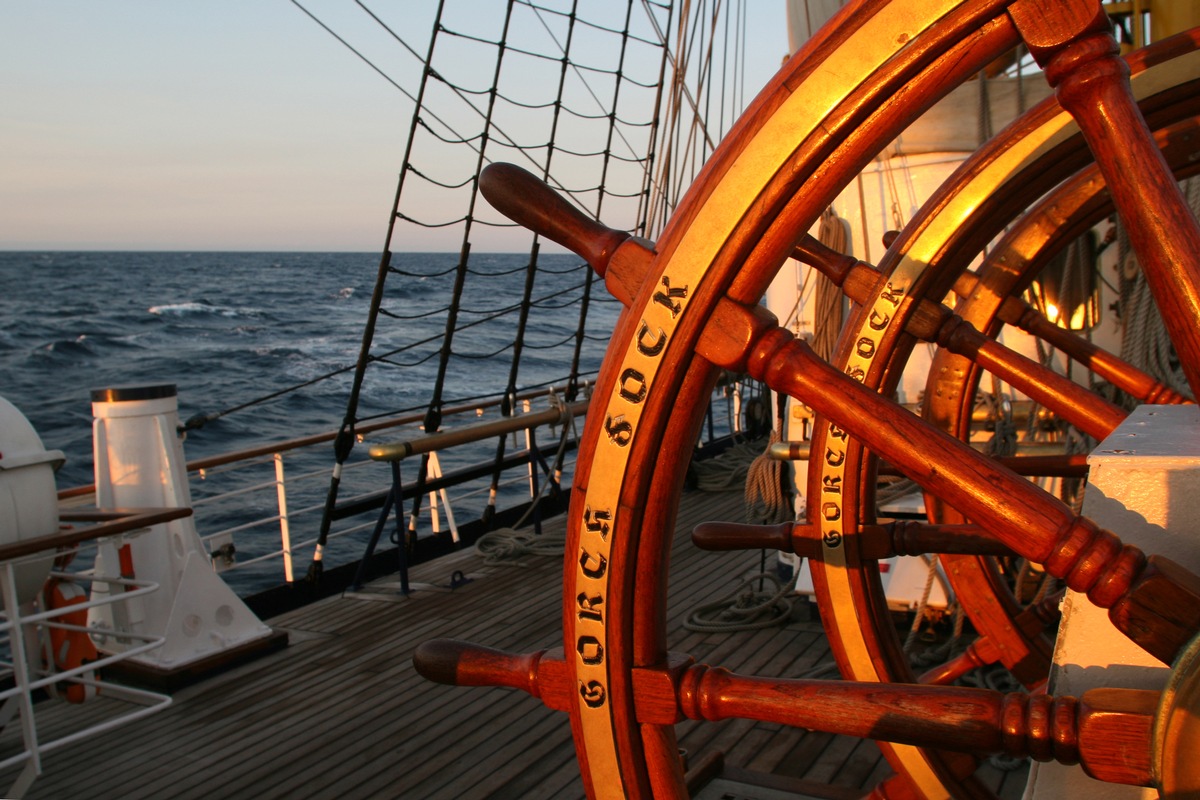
<point x="341" y="713"/>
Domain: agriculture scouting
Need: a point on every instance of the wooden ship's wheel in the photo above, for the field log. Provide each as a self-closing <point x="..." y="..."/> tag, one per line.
<point x="691" y="309"/>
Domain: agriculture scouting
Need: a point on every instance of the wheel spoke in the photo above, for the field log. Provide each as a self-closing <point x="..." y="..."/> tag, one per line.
<point x="1092" y="730"/>
<point x="899" y="538"/>
<point x="1016" y="512"/>
<point x="1126" y="377"/>
<point x="1092" y="83"/>
<point x="934" y="322"/>
<point x="1033" y="620"/>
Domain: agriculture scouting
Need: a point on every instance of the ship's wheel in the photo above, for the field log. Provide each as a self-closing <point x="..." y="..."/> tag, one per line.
<point x="691" y="309"/>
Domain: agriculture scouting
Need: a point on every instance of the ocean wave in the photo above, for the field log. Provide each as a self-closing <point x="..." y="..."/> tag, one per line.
<point x="276" y="351"/>
<point x="81" y="345"/>
<point x="186" y="309"/>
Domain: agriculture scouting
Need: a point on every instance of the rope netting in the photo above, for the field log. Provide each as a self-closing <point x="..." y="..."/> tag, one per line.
<point x="614" y="106"/>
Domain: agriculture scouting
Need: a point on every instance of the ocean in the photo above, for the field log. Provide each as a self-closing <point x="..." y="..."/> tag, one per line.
<point x="229" y="329"/>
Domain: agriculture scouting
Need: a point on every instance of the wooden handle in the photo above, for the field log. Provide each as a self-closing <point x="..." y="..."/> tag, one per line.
<point x="911" y="538"/>
<point x="1108" y="731"/>
<point x="1122" y="374"/>
<point x="457" y="663"/>
<point x="1086" y="410"/>
<point x="1059" y="466"/>
<point x="979" y="653"/>
<point x="1056" y="466"/>
<point x="529" y="202"/>
<point x="716" y="536"/>
<point x="1032" y="620"/>
<point x="900" y="538"/>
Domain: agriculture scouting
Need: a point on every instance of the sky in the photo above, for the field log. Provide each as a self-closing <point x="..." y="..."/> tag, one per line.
<point x="214" y="125"/>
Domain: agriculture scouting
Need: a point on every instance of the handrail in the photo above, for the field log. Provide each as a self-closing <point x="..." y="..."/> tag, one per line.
<point x="394" y="451"/>
<point x="371" y="427"/>
<point x="208" y="462"/>
<point x="113" y="521"/>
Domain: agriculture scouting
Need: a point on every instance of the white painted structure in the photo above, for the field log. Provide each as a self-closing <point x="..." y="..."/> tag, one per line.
<point x="139" y="463"/>
<point x="28" y="495"/>
<point x="1143" y="483"/>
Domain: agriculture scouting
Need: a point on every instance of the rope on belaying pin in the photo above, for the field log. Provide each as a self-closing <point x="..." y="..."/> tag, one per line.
<point x="829" y="300"/>
<point x="747" y="608"/>
<point x="766" y="501"/>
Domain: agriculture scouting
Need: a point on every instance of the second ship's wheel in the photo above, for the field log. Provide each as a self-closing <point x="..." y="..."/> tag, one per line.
<point x="691" y="309"/>
<point x="972" y="208"/>
<point x="948" y="233"/>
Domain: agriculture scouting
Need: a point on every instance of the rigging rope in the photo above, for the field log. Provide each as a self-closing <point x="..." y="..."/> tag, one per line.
<point x="1144" y="342"/>
<point x="478" y="122"/>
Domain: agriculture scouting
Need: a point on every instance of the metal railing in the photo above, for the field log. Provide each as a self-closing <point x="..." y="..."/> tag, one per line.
<point x="28" y="625"/>
<point x="261" y="505"/>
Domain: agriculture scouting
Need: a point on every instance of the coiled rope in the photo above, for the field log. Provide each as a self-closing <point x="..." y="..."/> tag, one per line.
<point x="752" y="604"/>
<point x="746" y="608"/>
<point x="728" y="471"/>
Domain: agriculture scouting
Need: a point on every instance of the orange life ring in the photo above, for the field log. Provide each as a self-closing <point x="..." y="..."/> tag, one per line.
<point x="69" y="649"/>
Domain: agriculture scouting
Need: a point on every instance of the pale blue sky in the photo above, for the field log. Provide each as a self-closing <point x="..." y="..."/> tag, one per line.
<point x="222" y="124"/>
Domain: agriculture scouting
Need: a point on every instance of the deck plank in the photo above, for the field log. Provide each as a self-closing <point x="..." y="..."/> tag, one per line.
<point x="341" y="713"/>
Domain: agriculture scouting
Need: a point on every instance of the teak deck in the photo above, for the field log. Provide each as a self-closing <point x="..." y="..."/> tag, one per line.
<point x="341" y="713"/>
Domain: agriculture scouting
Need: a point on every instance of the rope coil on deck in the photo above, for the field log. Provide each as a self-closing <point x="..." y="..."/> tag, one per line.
<point x="746" y="608"/>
